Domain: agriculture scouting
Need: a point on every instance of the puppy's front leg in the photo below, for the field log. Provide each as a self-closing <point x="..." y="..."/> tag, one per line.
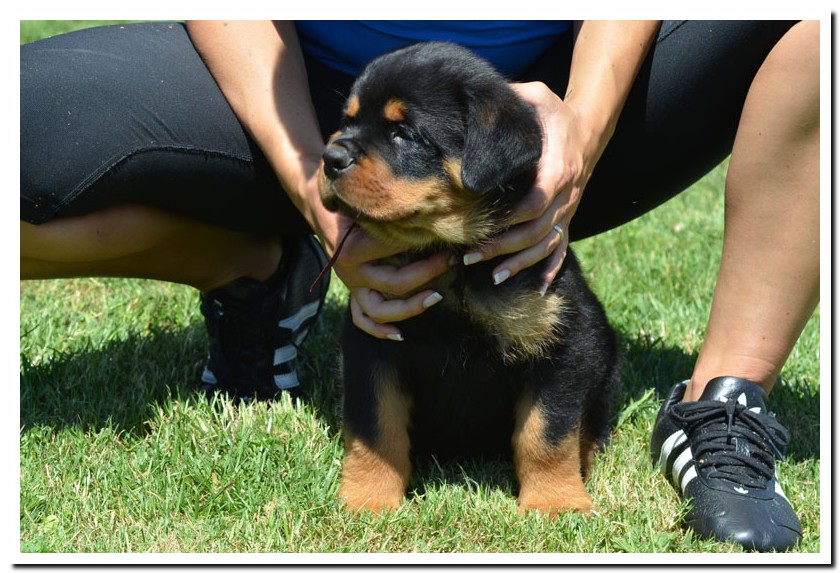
<point x="376" y="467"/>
<point x="548" y="467"/>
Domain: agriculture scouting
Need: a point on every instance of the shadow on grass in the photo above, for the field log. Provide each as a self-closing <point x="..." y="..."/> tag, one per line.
<point x="119" y="385"/>
<point x="116" y="385"/>
<point x="490" y="474"/>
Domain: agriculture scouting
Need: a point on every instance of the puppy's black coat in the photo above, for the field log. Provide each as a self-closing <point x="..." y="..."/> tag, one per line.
<point x="434" y="152"/>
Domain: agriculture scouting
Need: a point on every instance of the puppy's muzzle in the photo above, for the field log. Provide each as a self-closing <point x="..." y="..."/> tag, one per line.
<point x="339" y="157"/>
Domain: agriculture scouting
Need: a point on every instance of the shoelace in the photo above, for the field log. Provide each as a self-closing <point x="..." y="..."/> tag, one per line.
<point x="733" y="443"/>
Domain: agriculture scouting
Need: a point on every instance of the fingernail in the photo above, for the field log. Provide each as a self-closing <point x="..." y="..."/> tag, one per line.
<point x="395" y="337"/>
<point x="501" y="276"/>
<point x="472" y="258"/>
<point x="432" y="299"/>
<point x="544" y="289"/>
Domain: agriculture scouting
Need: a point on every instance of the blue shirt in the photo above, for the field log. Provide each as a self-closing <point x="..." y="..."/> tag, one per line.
<point x="347" y="46"/>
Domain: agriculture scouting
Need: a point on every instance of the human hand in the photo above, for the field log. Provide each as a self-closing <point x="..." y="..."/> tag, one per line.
<point x="380" y="293"/>
<point x="541" y="221"/>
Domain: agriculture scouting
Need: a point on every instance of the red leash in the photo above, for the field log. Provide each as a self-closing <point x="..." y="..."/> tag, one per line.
<point x="331" y="262"/>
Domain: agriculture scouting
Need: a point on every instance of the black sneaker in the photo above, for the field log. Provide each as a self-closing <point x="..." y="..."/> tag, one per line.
<point x="720" y="453"/>
<point x="255" y="328"/>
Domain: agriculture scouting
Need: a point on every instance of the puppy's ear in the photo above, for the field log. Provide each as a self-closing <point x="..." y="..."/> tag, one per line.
<point x="503" y="143"/>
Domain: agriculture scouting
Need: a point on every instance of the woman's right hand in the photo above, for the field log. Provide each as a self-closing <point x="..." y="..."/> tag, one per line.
<point x="379" y="292"/>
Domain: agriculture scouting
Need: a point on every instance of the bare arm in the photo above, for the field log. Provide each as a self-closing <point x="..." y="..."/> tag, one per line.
<point x="606" y="59"/>
<point x="260" y="69"/>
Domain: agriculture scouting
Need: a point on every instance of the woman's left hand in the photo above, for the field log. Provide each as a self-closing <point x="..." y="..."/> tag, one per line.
<point x="576" y="129"/>
<point x="542" y="219"/>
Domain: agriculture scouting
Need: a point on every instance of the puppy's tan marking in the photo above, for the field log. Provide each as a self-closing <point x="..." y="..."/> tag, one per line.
<point x="410" y="212"/>
<point x="452" y="166"/>
<point x="549" y="475"/>
<point x="376" y="476"/>
<point x="373" y="189"/>
<point x="394" y="110"/>
<point x="352" y="107"/>
<point x="525" y="324"/>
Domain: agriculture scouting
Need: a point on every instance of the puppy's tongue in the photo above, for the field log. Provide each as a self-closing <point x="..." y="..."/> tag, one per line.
<point x="332" y="260"/>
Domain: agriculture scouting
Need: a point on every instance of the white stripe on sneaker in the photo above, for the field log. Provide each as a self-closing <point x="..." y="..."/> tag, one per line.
<point x="680" y="472"/>
<point x="307" y="311"/>
<point x="286" y="381"/>
<point x="682" y="460"/>
<point x="208" y="377"/>
<point x="674" y="440"/>
<point x="778" y="487"/>
<point x="689" y="475"/>
<point x="284" y="354"/>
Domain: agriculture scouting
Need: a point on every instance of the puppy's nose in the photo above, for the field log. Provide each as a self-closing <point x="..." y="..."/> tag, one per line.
<point x="339" y="156"/>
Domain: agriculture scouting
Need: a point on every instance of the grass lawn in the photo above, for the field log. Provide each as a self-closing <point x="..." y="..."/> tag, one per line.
<point x="119" y="454"/>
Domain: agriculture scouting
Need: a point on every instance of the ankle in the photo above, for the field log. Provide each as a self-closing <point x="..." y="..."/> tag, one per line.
<point x="762" y="372"/>
<point x="696" y="386"/>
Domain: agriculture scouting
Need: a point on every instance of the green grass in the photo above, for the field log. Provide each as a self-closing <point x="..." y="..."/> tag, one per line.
<point x="119" y="454"/>
<point x="31" y="30"/>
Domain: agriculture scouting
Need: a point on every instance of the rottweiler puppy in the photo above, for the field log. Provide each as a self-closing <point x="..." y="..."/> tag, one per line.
<point x="433" y="153"/>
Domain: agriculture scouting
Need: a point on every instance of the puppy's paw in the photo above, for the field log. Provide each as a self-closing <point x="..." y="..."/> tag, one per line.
<point x="356" y="499"/>
<point x="554" y="504"/>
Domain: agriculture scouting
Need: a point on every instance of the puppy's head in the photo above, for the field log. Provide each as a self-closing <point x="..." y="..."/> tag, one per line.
<point x="434" y="148"/>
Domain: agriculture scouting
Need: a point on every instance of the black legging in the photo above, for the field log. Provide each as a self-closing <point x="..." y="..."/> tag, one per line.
<point x="130" y="114"/>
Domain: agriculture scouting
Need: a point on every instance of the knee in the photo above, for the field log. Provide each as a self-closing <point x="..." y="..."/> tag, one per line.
<point x="798" y="51"/>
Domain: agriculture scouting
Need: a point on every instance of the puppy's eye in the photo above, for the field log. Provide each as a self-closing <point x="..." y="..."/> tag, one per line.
<point x="399" y="131"/>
